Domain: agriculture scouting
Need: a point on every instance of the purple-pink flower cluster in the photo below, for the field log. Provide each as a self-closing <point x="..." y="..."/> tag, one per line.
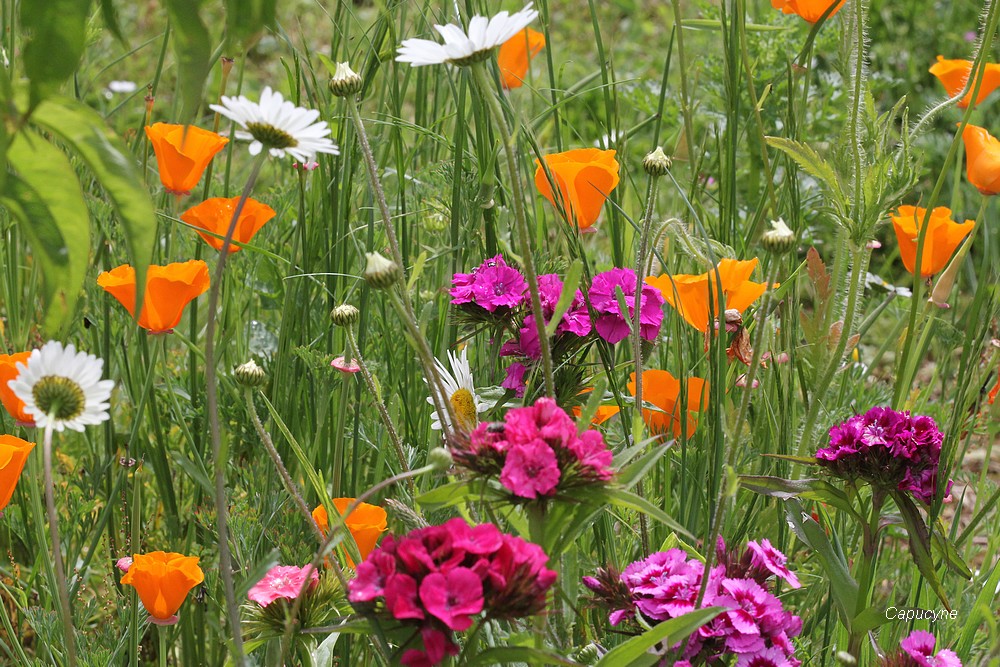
<point x="437" y="578"/>
<point x="756" y="629"/>
<point x="890" y="449"/>
<point x="536" y="451"/>
<point x="610" y="324"/>
<point x="491" y="285"/>
<point x="917" y="650"/>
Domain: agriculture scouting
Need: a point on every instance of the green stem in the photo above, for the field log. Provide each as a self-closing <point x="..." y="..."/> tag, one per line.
<point x="66" y="614"/>
<point x="211" y="381"/>
<point x="290" y="486"/>
<point x="488" y="93"/>
<point x="859" y="261"/>
<point x="161" y="654"/>
<point x="352" y="348"/>
<point x="407" y="314"/>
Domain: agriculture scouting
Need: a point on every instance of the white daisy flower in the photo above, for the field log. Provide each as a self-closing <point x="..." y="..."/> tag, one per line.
<point x="62" y="388"/>
<point x="278" y="125"/>
<point x="461" y="48"/>
<point x="461" y="392"/>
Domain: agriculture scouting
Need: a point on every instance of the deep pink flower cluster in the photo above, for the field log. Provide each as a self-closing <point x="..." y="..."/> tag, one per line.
<point x="536" y="451"/>
<point x="437" y="578"/>
<point x="491" y="285"/>
<point x="610" y="324"/>
<point x="890" y="449"/>
<point x="917" y="650"/>
<point x="756" y="630"/>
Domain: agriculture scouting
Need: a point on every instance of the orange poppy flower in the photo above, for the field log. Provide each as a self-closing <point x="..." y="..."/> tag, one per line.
<point x="585" y="176"/>
<point x="663" y="390"/>
<point x="954" y="74"/>
<point x="689" y="294"/>
<point x="942" y="237"/>
<point x="366" y="523"/>
<point x="169" y="289"/>
<point x="162" y="581"/>
<point x="13" y="456"/>
<point x="810" y="10"/>
<point x="603" y="414"/>
<point x="182" y="157"/>
<point x="982" y="159"/>
<point x="515" y="55"/>
<point x="216" y="213"/>
<point x="8" y="372"/>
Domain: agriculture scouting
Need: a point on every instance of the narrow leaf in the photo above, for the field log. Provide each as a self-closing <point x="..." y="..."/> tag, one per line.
<point x="505" y="655"/>
<point x="193" y="51"/>
<point x="570" y="285"/>
<point x="634" y="652"/>
<point x="58" y="35"/>
<point x="920" y="543"/>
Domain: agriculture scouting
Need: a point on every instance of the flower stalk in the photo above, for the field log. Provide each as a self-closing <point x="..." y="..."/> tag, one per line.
<point x="488" y="93"/>
<point x="65" y="612"/>
<point x="212" y="390"/>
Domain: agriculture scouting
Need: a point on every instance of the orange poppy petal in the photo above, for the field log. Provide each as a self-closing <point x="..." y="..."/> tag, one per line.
<point x="584" y="176"/>
<point x="515" y="56"/>
<point x="982" y="156"/>
<point x="13" y="455"/>
<point x="8" y="372"/>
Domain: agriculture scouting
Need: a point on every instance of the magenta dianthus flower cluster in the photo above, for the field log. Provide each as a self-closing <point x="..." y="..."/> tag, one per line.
<point x="610" y="324"/>
<point x="755" y="629"/>
<point x="890" y="449"/>
<point x="491" y="285"/>
<point x="917" y="650"/>
<point x="437" y="578"/>
<point x="536" y="451"/>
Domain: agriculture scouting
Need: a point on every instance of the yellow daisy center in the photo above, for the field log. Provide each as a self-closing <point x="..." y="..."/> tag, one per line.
<point x="464" y="406"/>
<point x="59" y="397"/>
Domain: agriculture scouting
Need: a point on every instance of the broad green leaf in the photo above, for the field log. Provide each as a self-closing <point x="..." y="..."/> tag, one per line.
<point x="812" y="489"/>
<point x="570" y="285"/>
<point x="636" y="470"/>
<point x="869" y="619"/>
<point x="85" y="133"/>
<point x="985" y="607"/>
<point x="54" y="219"/>
<point x="246" y="19"/>
<point x="634" y="652"/>
<point x="57" y="32"/>
<point x="944" y="546"/>
<point x="505" y="655"/>
<point x="446" y="495"/>
<point x="920" y="543"/>
<point x="629" y="500"/>
<point x="193" y="51"/>
<point x="811" y="163"/>
<point x="843" y="586"/>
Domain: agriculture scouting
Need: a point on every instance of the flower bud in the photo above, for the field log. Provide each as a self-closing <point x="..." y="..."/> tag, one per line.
<point x="779" y="239"/>
<point x="345" y="81"/>
<point x="381" y="273"/>
<point x="440" y="458"/>
<point x="657" y="163"/>
<point x="946" y="281"/>
<point x="344" y="315"/>
<point x="250" y="374"/>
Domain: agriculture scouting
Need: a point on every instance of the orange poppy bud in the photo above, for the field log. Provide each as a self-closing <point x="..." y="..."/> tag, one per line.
<point x="366" y="523"/>
<point x="182" y="153"/>
<point x="8" y="372"/>
<point x="13" y="455"/>
<point x="162" y="581"/>
<point x="810" y="10"/>
<point x="169" y="289"/>
<point x="982" y="159"/>
<point x="689" y="294"/>
<point x="585" y="176"/>
<point x="954" y="74"/>
<point x="216" y="213"/>
<point x="515" y="55"/>
<point x="663" y="390"/>
<point x="942" y="237"/>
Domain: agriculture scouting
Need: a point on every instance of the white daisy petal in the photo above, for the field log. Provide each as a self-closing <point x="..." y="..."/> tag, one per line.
<point x="483" y="35"/>
<point x="62" y="388"/>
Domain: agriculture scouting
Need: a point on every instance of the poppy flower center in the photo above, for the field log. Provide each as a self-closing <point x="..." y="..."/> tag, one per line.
<point x="271" y="136"/>
<point x="59" y="397"/>
<point x="464" y="405"/>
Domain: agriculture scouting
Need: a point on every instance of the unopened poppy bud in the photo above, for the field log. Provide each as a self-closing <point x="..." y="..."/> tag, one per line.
<point x="381" y="273"/>
<point x="440" y="458"/>
<point x="344" y="315"/>
<point x="345" y="81"/>
<point x="779" y="239"/>
<point x="250" y="374"/>
<point x="946" y="281"/>
<point x="657" y="163"/>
